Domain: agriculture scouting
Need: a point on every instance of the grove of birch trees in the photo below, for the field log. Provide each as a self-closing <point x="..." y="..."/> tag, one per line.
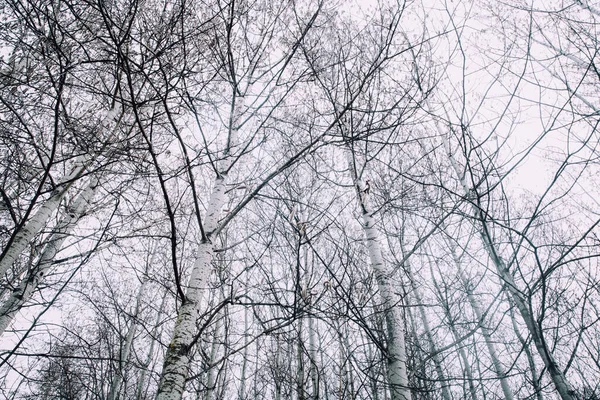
<point x="299" y="199"/>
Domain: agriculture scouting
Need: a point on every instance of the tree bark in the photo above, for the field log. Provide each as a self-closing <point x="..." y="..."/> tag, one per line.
<point x="140" y="395"/>
<point x="456" y="337"/>
<point x="242" y="391"/>
<point x="211" y="380"/>
<point x="429" y="334"/>
<point x="113" y="394"/>
<point x="175" y="368"/>
<point x="486" y="332"/>
<point x="300" y="363"/>
<point x="558" y="378"/>
<point x="23" y="292"/>
<point x="391" y="301"/>
<point x="39" y="220"/>
<point x="526" y="348"/>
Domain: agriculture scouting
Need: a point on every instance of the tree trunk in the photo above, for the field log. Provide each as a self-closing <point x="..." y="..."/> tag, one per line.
<point x="526" y="348"/>
<point x="124" y="358"/>
<point x="486" y="332"/>
<point x="456" y="337"/>
<point x="23" y="292"/>
<point x="300" y="363"/>
<point x="140" y="395"/>
<point x="40" y="218"/>
<point x="242" y="391"/>
<point x="278" y="372"/>
<point x="391" y="301"/>
<point x="211" y="380"/>
<point x="312" y="351"/>
<point x="435" y="356"/>
<point x="175" y="368"/>
<point x="558" y="378"/>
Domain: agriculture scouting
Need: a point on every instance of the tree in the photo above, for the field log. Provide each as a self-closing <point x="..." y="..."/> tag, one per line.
<point x="298" y="199"/>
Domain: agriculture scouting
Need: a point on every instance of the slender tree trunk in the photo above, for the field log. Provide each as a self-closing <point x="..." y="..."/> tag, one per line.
<point x="429" y="334"/>
<point x="124" y="358"/>
<point x="23" y="292"/>
<point x="222" y="380"/>
<point x="456" y="337"/>
<point x="465" y="360"/>
<point x="278" y="373"/>
<point x="526" y="348"/>
<point x="343" y="381"/>
<point x="312" y="351"/>
<point x="300" y="363"/>
<point x="349" y="369"/>
<point x="397" y="371"/>
<point x="256" y="374"/>
<point x="554" y="370"/>
<point x="391" y="301"/>
<point x="40" y="219"/>
<point x="486" y="332"/>
<point x="175" y="368"/>
<point x="144" y="372"/>
<point x="242" y="391"/>
<point x="211" y="380"/>
<point x="372" y="376"/>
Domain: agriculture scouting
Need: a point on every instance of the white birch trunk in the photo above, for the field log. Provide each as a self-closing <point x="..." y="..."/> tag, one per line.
<point x="242" y="391"/>
<point x="175" y="368"/>
<point x="530" y="360"/>
<point x="279" y="365"/>
<point x="343" y="382"/>
<point x="429" y="334"/>
<point x="23" y="292"/>
<point x="312" y="351"/>
<point x="124" y="358"/>
<point x="211" y="381"/>
<point x="486" y="332"/>
<point x="257" y="368"/>
<point x="144" y="372"/>
<point x="300" y="363"/>
<point x="456" y="337"/>
<point x="558" y="378"/>
<point x="45" y="211"/>
<point x="467" y="365"/>
<point x="222" y="380"/>
<point x="373" y="380"/>
<point x="391" y="301"/>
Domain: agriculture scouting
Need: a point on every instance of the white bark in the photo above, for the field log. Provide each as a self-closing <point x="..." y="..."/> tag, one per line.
<point x="312" y="351"/>
<point x="391" y="301"/>
<point x="344" y="373"/>
<point x="23" y="292"/>
<point x="144" y="371"/>
<point x="348" y="365"/>
<point x="397" y="372"/>
<point x="278" y="368"/>
<point x="530" y="360"/>
<point x="124" y="359"/>
<point x="558" y="378"/>
<point x="396" y="350"/>
<point x="242" y="391"/>
<point x="300" y="363"/>
<point x="429" y="334"/>
<point x="39" y="220"/>
<point x="461" y="351"/>
<point x="175" y="368"/>
<point x="486" y="332"/>
<point x="466" y="364"/>
<point x="211" y="381"/>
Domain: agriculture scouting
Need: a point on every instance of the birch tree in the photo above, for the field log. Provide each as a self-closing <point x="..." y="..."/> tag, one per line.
<point x="245" y="73"/>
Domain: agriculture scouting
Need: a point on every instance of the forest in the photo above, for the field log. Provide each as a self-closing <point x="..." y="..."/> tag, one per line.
<point x="299" y="199"/>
